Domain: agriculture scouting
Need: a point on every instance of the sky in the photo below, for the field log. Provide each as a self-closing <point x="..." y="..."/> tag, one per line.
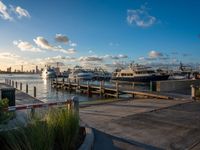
<point x="98" y="32"/>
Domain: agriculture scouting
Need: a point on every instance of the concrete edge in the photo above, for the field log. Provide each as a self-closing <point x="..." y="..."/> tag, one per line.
<point x="88" y="141"/>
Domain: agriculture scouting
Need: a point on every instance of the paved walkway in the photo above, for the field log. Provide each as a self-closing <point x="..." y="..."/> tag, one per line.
<point x="135" y="124"/>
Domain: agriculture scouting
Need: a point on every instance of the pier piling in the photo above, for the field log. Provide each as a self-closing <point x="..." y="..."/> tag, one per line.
<point x="34" y="91"/>
<point x="26" y="88"/>
<point x="21" y="86"/>
<point x="16" y="85"/>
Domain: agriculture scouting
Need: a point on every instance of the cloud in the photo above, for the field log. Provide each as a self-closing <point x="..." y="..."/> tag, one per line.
<point x="22" y="12"/>
<point x="140" y="17"/>
<point x="120" y="56"/>
<point x="44" y="44"/>
<point x="69" y="51"/>
<point x="72" y="44"/>
<point x="154" y="54"/>
<point x="91" y="58"/>
<point x="8" y="55"/>
<point x="61" y="38"/>
<point x="4" y="12"/>
<point x="26" y="46"/>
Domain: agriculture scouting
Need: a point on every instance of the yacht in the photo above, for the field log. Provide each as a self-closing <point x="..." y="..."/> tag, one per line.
<point x="139" y="73"/>
<point x="48" y="72"/>
<point x="80" y="74"/>
<point x="183" y="72"/>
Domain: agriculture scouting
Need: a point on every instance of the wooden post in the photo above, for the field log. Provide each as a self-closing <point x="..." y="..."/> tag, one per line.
<point x="75" y="104"/>
<point x="69" y="86"/>
<point x="34" y="91"/>
<point x="193" y="92"/>
<point x="78" y="83"/>
<point x="26" y="88"/>
<point x="117" y="89"/>
<point x="16" y="85"/>
<point x="88" y="89"/>
<point x="133" y="85"/>
<point x="101" y="88"/>
<point x="21" y="86"/>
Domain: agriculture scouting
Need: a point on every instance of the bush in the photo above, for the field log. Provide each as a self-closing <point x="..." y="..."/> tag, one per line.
<point x="58" y="130"/>
<point x="4" y="115"/>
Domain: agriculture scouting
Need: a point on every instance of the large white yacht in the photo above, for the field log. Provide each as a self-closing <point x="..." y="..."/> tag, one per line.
<point x="48" y="72"/>
<point x="80" y="74"/>
<point x="139" y="73"/>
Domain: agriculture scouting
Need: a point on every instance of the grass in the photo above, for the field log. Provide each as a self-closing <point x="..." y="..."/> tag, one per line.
<point x="58" y="130"/>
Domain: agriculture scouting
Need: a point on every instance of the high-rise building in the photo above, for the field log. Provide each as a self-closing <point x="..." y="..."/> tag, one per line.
<point x="22" y="68"/>
<point x="36" y="69"/>
<point x="9" y="69"/>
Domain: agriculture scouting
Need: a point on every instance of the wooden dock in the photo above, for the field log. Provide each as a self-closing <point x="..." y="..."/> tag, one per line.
<point x="103" y="90"/>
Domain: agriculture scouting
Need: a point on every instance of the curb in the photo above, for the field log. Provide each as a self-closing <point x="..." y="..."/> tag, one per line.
<point x="88" y="141"/>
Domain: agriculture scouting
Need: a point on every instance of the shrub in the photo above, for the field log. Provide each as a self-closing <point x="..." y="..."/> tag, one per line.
<point x="4" y="115"/>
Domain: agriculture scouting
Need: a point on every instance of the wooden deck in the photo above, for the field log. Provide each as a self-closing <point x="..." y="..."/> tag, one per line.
<point x="106" y="91"/>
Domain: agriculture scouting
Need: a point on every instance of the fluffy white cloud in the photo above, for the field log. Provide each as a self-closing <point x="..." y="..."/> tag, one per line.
<point x="120" y="56"/>
<point x="26" y="46"/>
<point x="154" y="54"/>
<point x="140" y="17"/>
<point x="4" y="12"/>
<point x="22" y="12"/>
<point x="69" y="51"/>
<point x="44" y="44"/>
<point x="91" y="58"/>
<point x="8" y="55"/>
<point x="61" y="38"/>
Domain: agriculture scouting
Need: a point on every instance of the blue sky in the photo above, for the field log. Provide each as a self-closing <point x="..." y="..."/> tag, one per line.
<point x="89" y="32"/>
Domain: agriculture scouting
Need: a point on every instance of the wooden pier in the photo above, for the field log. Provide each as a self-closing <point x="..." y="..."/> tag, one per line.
<point x="103" y="90"/>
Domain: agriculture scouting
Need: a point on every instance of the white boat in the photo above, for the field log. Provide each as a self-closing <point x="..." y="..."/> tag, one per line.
<point x="183" y="72"/>
<point x="80" y="74"/>
<point x="48" y="72"/>
<point x="139" y="73"/>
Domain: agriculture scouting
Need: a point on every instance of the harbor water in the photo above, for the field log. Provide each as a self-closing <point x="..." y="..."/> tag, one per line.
<point x="44" y="90"/>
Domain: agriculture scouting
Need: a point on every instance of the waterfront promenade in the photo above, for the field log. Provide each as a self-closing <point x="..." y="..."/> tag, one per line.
<point x="145" y="124"/>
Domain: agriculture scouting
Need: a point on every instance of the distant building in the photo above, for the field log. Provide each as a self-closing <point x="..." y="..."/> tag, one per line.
<point x="9" y="69"/>
<point x="22" y="69"/>
<point x="37" y="70"/>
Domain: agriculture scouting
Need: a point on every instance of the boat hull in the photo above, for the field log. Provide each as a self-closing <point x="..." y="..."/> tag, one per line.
<point x="142" y="78"/>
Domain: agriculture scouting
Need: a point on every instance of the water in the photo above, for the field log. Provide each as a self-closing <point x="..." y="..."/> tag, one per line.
<point x="48" y="94"/>
<point x="44" y="90"/>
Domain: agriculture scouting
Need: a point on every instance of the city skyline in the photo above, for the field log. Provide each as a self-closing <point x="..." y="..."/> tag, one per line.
<point x="98" y="32"/>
